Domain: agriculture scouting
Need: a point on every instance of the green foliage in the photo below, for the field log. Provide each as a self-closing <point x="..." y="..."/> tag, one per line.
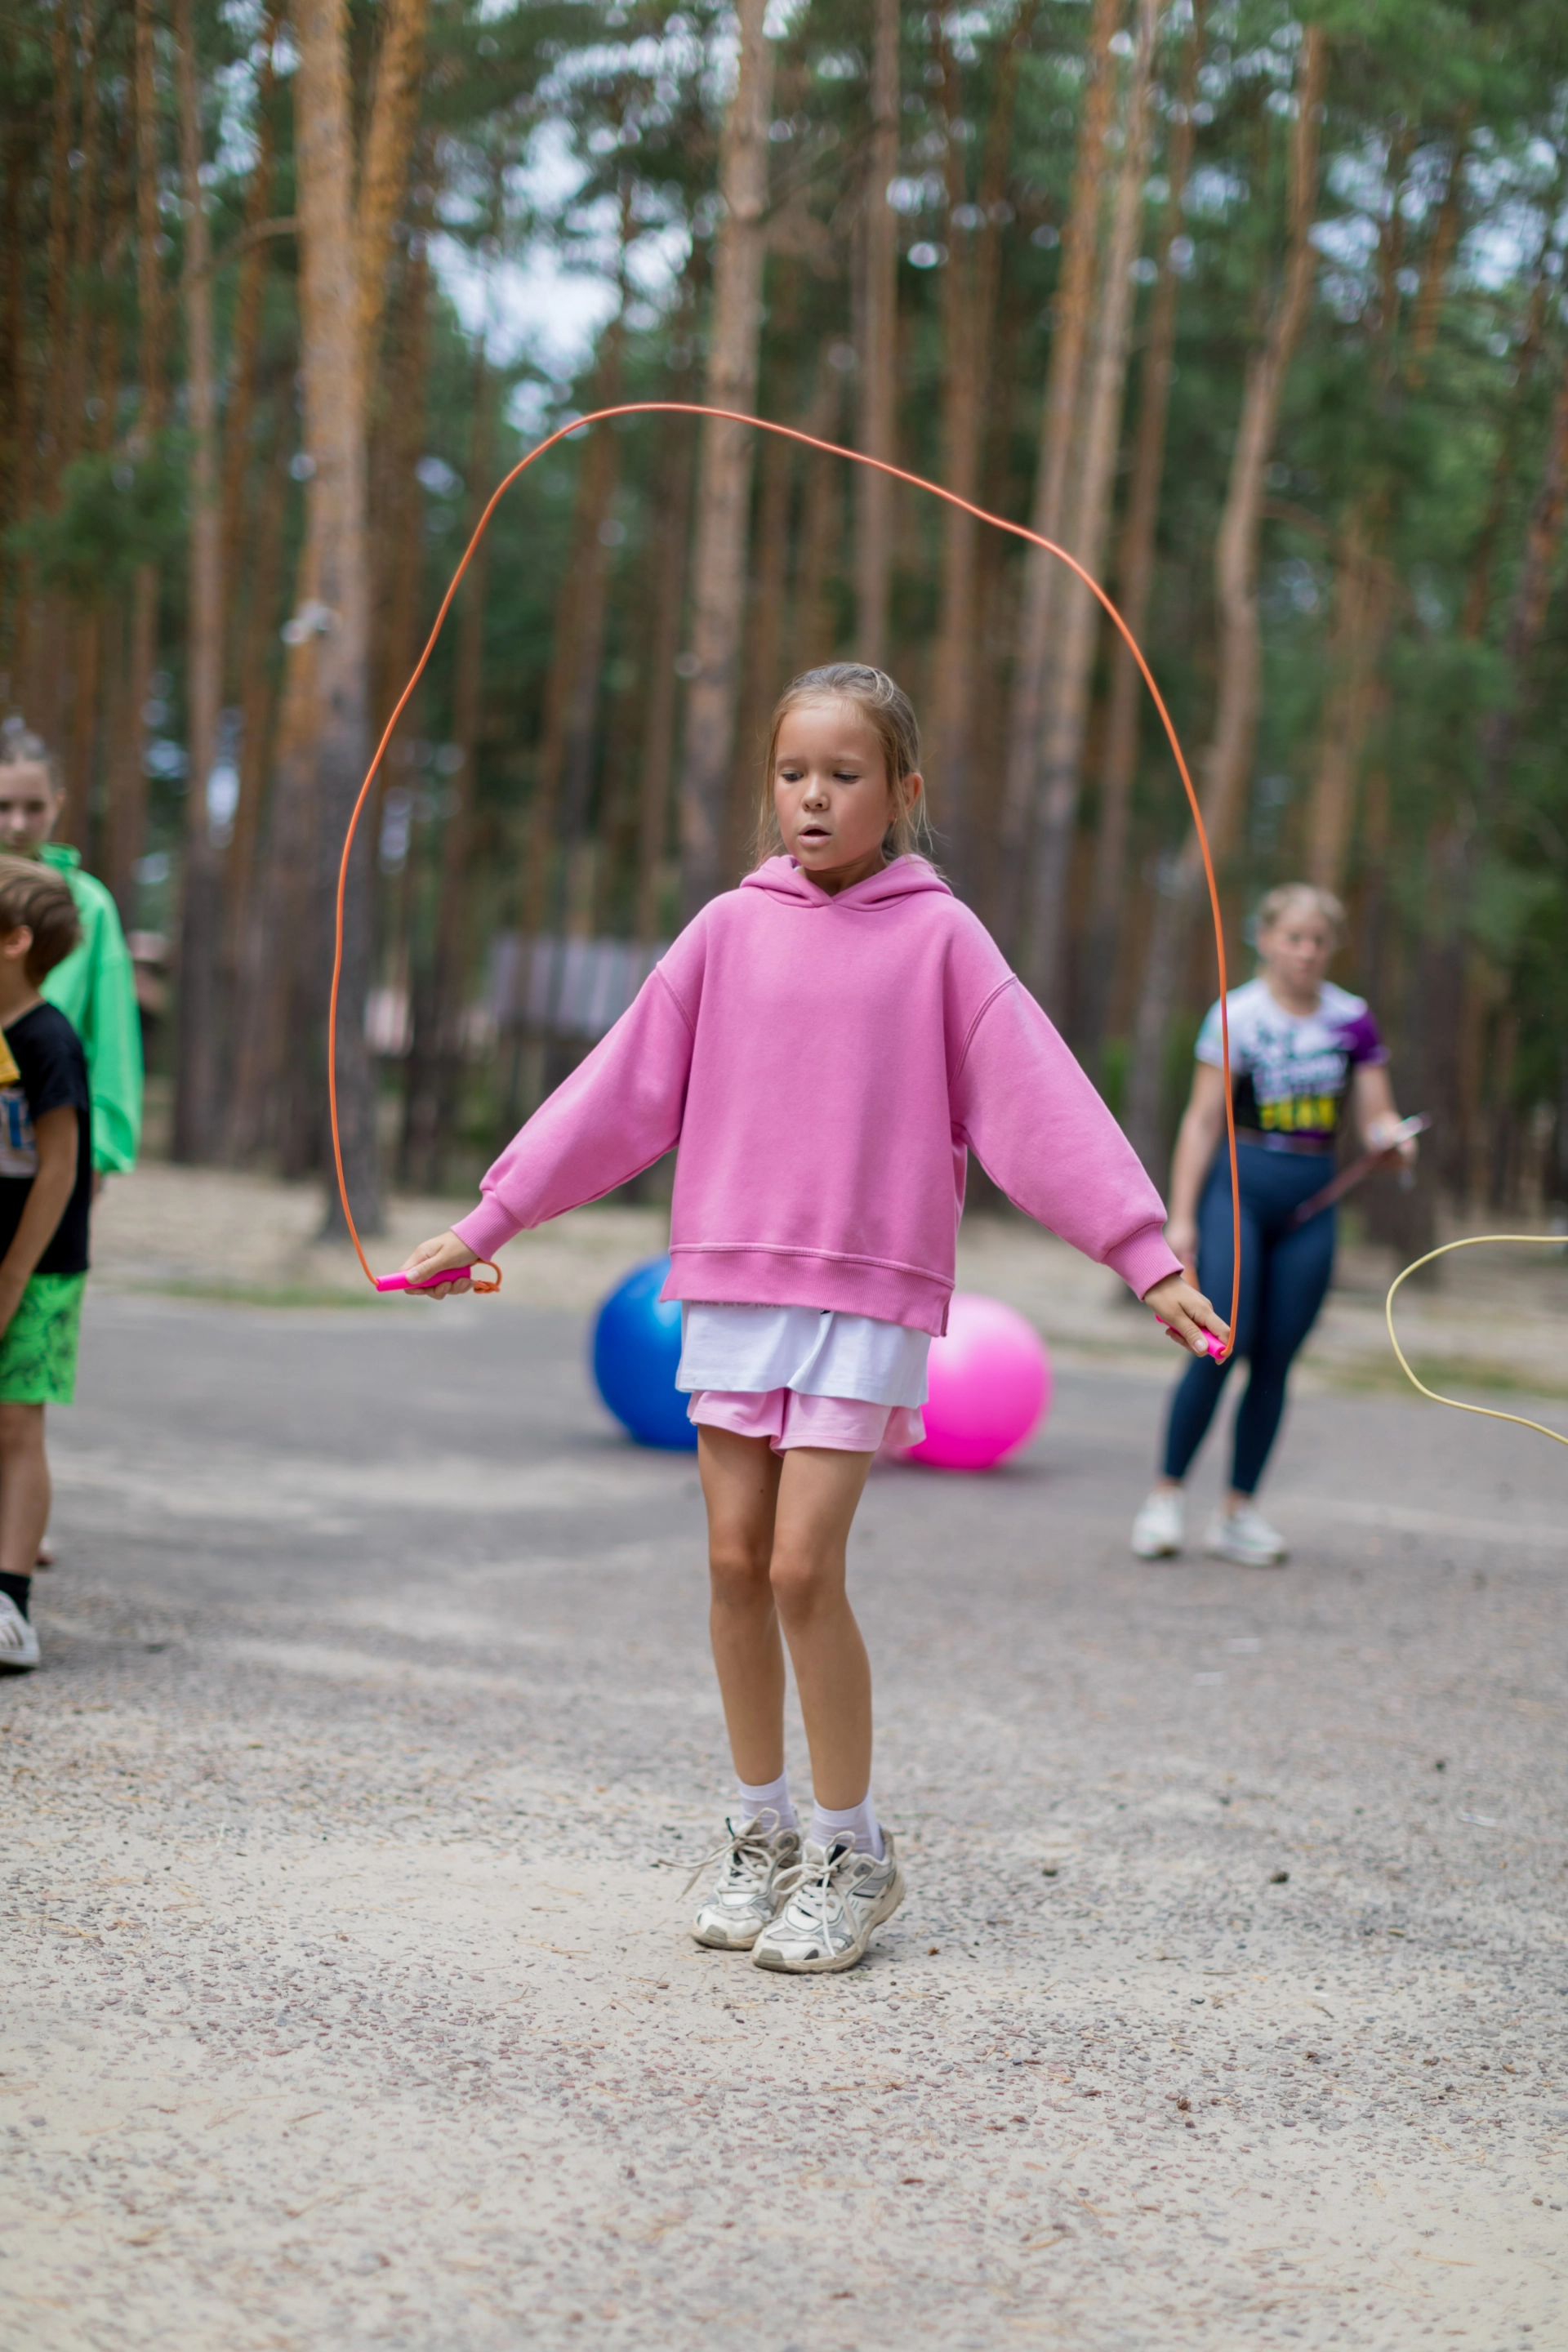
<point x="579" y="139"/>
<point x="115" y="513"/>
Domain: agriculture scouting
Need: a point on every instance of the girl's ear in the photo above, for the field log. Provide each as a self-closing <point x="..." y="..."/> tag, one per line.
<point x="18" y="945"/>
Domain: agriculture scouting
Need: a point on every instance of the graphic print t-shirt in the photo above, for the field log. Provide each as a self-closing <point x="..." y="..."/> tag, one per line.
<point x="43" y="1068"/>
<point x="1290" y="1071"/>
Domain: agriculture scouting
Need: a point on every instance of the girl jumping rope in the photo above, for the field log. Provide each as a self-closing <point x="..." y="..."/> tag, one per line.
<point x="824" y="1045"/>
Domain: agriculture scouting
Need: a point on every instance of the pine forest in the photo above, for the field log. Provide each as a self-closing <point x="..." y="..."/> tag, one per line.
<point x="1259" y="314"/>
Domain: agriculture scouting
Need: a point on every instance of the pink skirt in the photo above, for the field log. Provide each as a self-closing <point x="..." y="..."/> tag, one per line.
<point x="840" y="1424"/>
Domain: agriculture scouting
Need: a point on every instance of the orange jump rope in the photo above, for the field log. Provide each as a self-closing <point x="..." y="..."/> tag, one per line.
<point x="916" y="481"/>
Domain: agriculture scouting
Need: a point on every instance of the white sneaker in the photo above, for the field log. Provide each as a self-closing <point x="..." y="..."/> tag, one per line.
<point x="1161" y="1524"/>
<point x="835" y="1898"/>
<point x="1247" y="1538"/>
<point x="744" y="1895"/>
<point x="19" y="1639"/>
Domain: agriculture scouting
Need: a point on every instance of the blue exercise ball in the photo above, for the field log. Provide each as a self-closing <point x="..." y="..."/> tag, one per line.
<point x="637" y="1353"/>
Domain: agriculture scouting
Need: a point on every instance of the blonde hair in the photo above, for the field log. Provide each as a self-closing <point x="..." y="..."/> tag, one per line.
<point x="1278" y="902"/>
<point x="891" y="714"/>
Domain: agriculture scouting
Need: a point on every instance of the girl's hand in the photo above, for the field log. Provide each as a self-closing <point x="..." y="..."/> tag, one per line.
<point x="1182" y="1241"/>
<point x="1380" y="1133"/>
<point x="435" y="1256"/>
<point x="1185" y="1311"/>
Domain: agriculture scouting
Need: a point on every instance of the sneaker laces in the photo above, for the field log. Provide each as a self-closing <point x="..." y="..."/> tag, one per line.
<point x="810" y="1887"/>
<point x="746" y="1851"/>
<point x="13" y="1625"/>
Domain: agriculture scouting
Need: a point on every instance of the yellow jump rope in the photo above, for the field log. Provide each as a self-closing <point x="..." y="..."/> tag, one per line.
<point x="1486" y="1412"/>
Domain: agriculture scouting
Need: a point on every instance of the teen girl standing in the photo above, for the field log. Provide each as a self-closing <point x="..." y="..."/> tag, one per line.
<point x="1301" y="1052"/>
<point x="825" y="1044"/>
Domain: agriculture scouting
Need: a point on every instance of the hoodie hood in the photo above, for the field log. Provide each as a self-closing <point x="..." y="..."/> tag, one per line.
<point x="901" y="877"/>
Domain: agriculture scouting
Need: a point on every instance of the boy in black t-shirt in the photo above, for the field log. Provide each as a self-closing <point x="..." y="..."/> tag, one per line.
<point x="46" y="1201"/>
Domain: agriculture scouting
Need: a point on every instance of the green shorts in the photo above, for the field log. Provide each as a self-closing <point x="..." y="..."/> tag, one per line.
<point x="38" y="1354"/>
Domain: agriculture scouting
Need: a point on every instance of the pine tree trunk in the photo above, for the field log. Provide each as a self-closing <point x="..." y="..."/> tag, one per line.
<point x="327" y="671"/>
<point x="1356" y="646"/>
<point x="1070" y="340"/>
<point x="1483" y="558"/>
<point x="1365" y="587"/>
<point x="323" y="729"/>
<point x="245" y="333"/>
<point x="657" y="757"/>
<point x="383" y="174"/>
<point x="128" y="786"/>
<point x="969" y="326"/>
<point x="45" y="686"/>
<point x="77" y="695"/>
<point x="1077" y="614"/>
<point x="571" y="692"/>
<point x="58" y="269"/>
<point x="822" y="527"/>
<point x="397" y="444"/>
<point x="72" y="415"/>
<point x="1225" y="766"/>
<point x="764" y="641"/>
<point x="201" y="917"/>
<point x="16" y="420"/>
<point x="1527" y="616"/>
<point x="256" y="701"/>
<point x="878" y="340"/>
<point x="434" y="1061"/>
<point x="1135" y="581"/>
<point x="725" y="475"/>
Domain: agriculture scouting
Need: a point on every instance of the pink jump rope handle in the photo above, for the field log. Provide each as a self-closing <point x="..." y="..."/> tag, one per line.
<point x="434" y="1281"/>
<point x="1213" y="1346"/>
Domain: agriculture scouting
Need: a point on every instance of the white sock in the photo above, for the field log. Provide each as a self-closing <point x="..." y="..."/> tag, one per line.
<point x="860" y="1823"/>
<point x="773" y="1797"/>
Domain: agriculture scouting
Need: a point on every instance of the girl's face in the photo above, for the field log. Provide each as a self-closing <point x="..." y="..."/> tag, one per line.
<point x="28" y="807"/>
<point x="1296" y="951"/>
<point x="832" y="792"/>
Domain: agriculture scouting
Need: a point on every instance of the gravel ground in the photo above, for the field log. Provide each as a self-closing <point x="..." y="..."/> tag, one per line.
<point x="349" y="1821"/>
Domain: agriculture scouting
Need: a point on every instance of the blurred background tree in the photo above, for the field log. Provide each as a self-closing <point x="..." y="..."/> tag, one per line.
<point x="1260" y="313"/>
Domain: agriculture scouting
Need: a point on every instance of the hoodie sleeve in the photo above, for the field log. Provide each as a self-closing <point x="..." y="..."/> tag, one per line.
<point x="618" y="1112"/>
<point x="1029" y="1114"/>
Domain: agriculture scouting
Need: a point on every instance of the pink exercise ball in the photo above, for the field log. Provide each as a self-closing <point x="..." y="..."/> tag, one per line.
<point x="990" y="1386"/>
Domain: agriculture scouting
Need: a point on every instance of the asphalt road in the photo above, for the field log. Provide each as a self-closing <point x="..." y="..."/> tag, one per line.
<point x="350" y="2001"/>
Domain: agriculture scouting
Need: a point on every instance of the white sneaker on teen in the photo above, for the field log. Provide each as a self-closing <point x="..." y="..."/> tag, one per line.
<point x="1161" y="1525"/>
<point x="19" y="1639"/>
<point x="1247" y="1538"/>
<point x="834" y="1898"/>
<point x="744" y="1894"/>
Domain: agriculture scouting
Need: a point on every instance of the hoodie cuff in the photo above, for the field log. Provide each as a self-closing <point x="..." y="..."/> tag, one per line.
<point x="492" y="1225"/>
<point x="1143" y="1259"/>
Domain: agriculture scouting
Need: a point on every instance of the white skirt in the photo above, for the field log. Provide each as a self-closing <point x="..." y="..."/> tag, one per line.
<point x="814" y="1351"/>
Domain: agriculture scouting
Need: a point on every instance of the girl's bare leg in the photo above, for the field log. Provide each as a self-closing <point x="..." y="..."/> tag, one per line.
<point x="815" y="1500"/>
<point x="23" y="1488"/>
<point x="741" y="1486"/>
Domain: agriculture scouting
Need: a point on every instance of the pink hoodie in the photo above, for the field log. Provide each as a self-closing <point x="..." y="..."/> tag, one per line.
<point x="824" y="1064"/>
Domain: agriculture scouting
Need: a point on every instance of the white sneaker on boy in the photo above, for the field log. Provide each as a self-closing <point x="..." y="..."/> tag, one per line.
<point x="1160" y="1527"/>
<point x="1247" y="1538"/>
<point x="744" y="1894"/>
<point x="836" y="1897"/>
<point x="19" y="1639"/>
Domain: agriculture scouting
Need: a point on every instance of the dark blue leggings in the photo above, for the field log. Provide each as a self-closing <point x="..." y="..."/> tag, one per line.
<point x="1284" y="1279"/>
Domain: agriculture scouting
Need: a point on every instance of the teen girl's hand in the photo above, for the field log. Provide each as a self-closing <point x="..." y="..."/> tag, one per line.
<point x="1186" y="1313"/>
<point x="444" y="1252"/>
